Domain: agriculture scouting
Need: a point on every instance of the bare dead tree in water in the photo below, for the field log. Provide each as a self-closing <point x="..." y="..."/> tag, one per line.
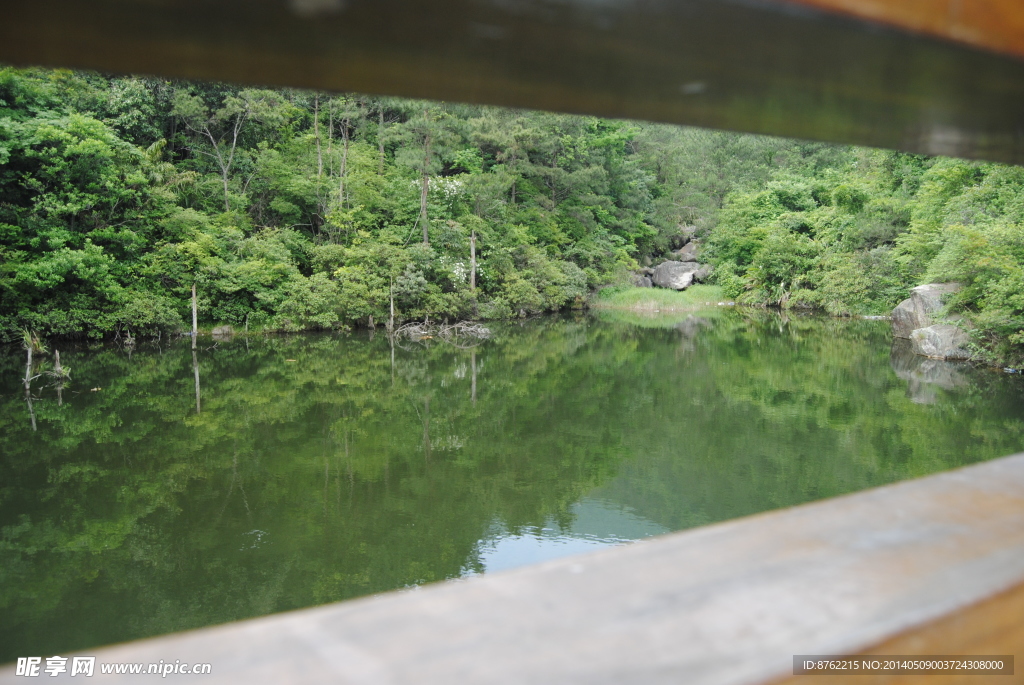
<point x="61" y="375"/>
<point x="28" y="387"/>
<point x="32" y="343"/>
<point x="463" y="334"/>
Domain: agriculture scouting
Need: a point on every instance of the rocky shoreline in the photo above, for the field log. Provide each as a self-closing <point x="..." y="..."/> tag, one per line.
<point x="678" y="273"/>
<point x="917" y="319"/>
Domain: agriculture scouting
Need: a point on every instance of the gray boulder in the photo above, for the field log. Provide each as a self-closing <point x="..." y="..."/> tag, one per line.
<point x="918" y="310"/>
<point x="675" y="275"/>
<point x="223" y="332"/>
<point x="703" y="273"/>
<point x="941" y="341"/>
<point x="925" y="377"/>
<point x="641" y="281"/>
<point x="689" y="252"/>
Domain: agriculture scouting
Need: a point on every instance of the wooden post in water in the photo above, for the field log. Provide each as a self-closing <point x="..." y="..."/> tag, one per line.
<point x="195" y="317"/>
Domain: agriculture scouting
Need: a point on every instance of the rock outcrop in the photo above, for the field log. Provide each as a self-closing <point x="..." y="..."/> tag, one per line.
<point x="641" y="281"/>
<point x="917" y="311"/>
<point x="675" y="275"/>
<point x="941" y="341"/>
<point x="223" y="332"/>
<point x="688" y="252"/>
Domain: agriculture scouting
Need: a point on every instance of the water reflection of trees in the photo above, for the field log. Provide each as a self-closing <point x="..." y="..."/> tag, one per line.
<point x="346" y="472"/>
<point x="775" y="410"/>
<point x="132" y="497"/>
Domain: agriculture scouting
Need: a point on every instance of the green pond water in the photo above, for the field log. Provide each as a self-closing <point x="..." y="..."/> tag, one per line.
<point x="318" y="468"/>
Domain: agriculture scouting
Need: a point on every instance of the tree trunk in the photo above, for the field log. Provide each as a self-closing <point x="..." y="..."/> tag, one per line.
<point x="227" y="203"/>
<point x="425" y="185"/>
<point x="195" y="317"/>
<point x="472" y="262"/>
<point x="512" y="169"/>
<point x="391" y="297"/>
<point x="380" y="141"/>
<point x="316" y="135"/>
<point x="344" y="163"/>
<point x="330" y="137"/>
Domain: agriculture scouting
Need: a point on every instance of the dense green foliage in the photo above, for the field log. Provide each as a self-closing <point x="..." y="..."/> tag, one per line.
<point x="298" y="210"/>
<point x="319" y="470"/>
<point x="854" y="229"/>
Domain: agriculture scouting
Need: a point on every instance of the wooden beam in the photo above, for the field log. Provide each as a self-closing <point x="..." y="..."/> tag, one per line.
<point x="767" y="66"/>
<point x="996" y="25"/>
<point x="933" y="566"/>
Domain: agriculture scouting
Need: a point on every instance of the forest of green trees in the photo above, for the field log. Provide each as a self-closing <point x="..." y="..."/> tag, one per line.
<point x="296" y="210"/>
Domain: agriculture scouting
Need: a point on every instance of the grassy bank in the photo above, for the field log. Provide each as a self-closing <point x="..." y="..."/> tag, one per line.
<point x="657" y="299"/>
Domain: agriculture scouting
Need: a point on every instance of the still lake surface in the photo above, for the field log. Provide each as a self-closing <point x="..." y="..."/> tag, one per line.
<point x="318" y="468"/>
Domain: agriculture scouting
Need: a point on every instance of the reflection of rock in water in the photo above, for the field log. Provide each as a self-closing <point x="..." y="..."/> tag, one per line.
<point x="925" y="376"/>
<point x="690" y="327"/>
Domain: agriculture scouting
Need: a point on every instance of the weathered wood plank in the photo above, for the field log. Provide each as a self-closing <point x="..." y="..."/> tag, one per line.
<point x="996" y="25"/>
<point x="932" y="566"/>
<point x="993" y="626"/>
<point x="779" y="67"/>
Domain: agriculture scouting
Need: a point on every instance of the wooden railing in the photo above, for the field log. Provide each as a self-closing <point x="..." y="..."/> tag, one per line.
<point x="934" y="76"/>
<point x="995" y="25"/>
<point x="928" y="567"/>
<point x="933" y="566"/>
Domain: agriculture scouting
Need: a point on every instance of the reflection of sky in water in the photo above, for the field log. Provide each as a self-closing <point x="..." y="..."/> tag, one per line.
<point x="596" y="523"/>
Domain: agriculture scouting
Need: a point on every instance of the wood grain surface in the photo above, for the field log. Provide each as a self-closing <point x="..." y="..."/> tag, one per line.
<point x="996" y="25"/>
<point x="764" y="67"/>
